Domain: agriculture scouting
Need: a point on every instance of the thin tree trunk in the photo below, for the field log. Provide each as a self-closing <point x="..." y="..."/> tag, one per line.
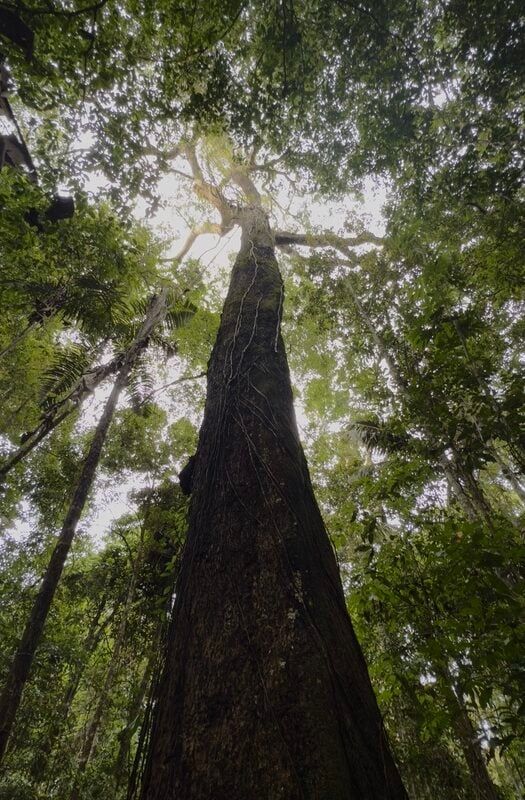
<point x="143" y="739"/>
<point x="380" y="343"/>
<point x="508" y="472"/>
<point x="29" y="445"/>
<point x="88" y="746"/>
<point x="38" y="318"/>
<point x="476" y="496"/>
<point x="466" y="735"/>
<point x="13" y="343"/>
<point x="456" y="489"/>
<point x="265" y="692"/>
<point x="23" y="659"/>
<point x="516" y="447"/>
<point x="91" y="643"/>
<point x="469" y="496"/>
<point x="134" y="717"/>
<point x="85" y="386"/>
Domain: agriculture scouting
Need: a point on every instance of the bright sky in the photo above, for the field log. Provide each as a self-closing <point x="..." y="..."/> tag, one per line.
<point x="214" y="253"/>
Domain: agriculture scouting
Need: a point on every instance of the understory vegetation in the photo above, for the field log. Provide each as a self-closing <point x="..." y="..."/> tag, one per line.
<point x="380" y="145"/>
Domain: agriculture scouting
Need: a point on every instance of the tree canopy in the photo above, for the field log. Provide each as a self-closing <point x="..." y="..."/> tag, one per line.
<point x="403" y="328"/>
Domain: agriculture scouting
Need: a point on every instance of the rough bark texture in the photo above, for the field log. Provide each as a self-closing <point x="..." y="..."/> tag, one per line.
<point x="265" y="693"/>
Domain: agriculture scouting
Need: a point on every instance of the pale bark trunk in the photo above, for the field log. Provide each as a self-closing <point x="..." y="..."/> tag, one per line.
<point x="508" y="472"/>
<point x="479" y="775"/>
<point x="456" y="489"/>
<point x="516" y="447"/>
<point x="481" y="781"/>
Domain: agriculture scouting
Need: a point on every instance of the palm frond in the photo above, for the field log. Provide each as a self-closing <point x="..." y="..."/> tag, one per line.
<point x="67" y="367"/>
<point x="179" y="313"/>
<point x="379" y="436"/>
<point x="140" y="384"/>
<point x="167" y="345"/>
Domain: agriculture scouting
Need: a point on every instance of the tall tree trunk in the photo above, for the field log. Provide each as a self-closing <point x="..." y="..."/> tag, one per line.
<point x="88" y="746"/>
<point x="456" y="490"/>
<point x="29" y="445"/>
<point x="467" y="738"/>
<point x="23" y="658"/>
<point x="265" y="692"/>
<point x="16" y="339"/>
<point x="85" y="386"/>
<point x="476" y="495"/>
<point x="62" y="712"/>
<point x="514" y="442"/>
<point x="134" y="716"/>
<point x="462" y="484"/>
<point x="507" y="471"/>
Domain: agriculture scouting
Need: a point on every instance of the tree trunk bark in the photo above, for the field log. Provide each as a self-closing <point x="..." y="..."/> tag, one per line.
<point x="479" y="502"/>
<point x="514" y="443"/>
<point x="479" y="774"/>
<point x="13" y="343"/>
<point x="265" y="692"/>
<point x="508" y="472"/>
<point x="456" y="490"/>
<point x="482" y="784"/>
<point x="31" y="443"/>
<point x="23" y="658"/>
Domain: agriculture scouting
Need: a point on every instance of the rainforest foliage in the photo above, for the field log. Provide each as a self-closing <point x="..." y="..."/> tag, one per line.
<point x="385" y="142"/>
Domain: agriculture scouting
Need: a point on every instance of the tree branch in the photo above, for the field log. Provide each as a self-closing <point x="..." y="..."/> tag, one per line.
<point x="326" y="239"/>
<point x="62" y="12"/>
<point x="247" y="186"/>
<point x="193" y="235"/>
<point x="207" y="190"/>
<point x="152" y="150"/>
<point x="268" y="165"/>
<point x="155" y="392"/>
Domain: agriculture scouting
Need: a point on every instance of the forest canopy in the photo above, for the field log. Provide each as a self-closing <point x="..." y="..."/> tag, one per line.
<point x="353" y="172"/>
